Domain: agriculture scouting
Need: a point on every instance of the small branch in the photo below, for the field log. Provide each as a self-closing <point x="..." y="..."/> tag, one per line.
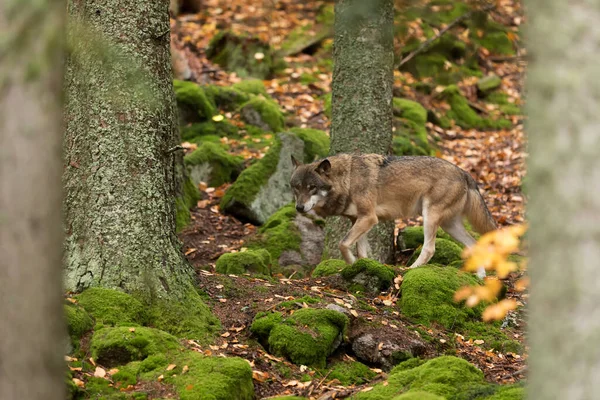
<point x="174" y="149"/>
<point x="428" y="42"/>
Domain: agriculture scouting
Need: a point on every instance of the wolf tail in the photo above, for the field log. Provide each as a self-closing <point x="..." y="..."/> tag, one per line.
<point x="477" y="213"/>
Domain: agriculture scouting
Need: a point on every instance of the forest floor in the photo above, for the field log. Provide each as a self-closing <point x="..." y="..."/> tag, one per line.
<point x="495" y="158"/>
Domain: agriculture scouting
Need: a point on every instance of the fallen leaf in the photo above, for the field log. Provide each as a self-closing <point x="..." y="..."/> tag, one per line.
<point x="133" y="329"/>
<point x="113" y="371"/>
<point x="100" y="372"/>
<point x="171" y="367"/>
<point x="218" y="118"/>
<point x="160" y="378"/>
<point x="353" y="312"/>
<point x="78" y="382"/>
<point x="185" y="369"/>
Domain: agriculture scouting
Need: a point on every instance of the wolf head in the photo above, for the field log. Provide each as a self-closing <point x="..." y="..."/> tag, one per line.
<point x="310" y="184"/>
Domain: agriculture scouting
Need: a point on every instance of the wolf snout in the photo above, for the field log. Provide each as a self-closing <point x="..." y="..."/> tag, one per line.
<point x="299" y="208"/>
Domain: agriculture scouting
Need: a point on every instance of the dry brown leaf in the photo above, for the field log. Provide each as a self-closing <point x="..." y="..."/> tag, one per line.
<point x="99" y="372"/>
<point x="171" y="367"/>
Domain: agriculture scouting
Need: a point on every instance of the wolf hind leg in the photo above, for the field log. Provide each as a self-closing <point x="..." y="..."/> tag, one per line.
<point x="430" y="226"/>
<point x="456" y="229"/>
<point x="360" y="228"/>
<point x="362" y="246"/>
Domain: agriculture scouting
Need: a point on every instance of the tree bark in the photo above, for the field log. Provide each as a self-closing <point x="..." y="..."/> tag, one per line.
<point x="32" y="327"/>
<point x="362" y="113"/>
<point x="564" y="211"/>
<point x="120" y="168"/>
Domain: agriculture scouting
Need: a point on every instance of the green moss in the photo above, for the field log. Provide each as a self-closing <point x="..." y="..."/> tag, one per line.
<point x="495" y="42"/>
<point x="125" y="377"/>
<point x="418" y="395"/>
<point x="209" y="128"/>
<point x="406" y="144"/>
<point x="427" y="297"/>
<point x="111" y="307"/>
<point x="99" y="388"/>
<point x="408" y="364"/>
<point x="278" y="234"/>
<point x="183" y="204"/>
<point x="252" y="179"/>
<point x="307" y="337"/>
<point x="489" y="83"/>
<point x="410" y="137"/>
<point x="113" y="346"/>
<point x="226" y="98"/>
<point x="251" y="86"/>
<point x="264" y="113"/>
<point x="250" y="261"/>
<point x="188" y="317"/>
<point x="505" y="106"/>
<point x="236" y="53"/>
<point x="443" y="376"/>
<point x="288" y="398"/>
<point x="78" y="322"/>
<point x="410" y="110"/>
<point x="293" y="304"/>
<point x="327" y="105"/>
<point x="371" y="275"/>
<point x="153" y="362"/>
<point x="224" y="167"/>
<point x="464" y="116"/>
<point x="316" y="143"/>
<point x="351" y="373"/>
<point x="193" y="103"/>
<point x="329" y="267"/>
<point x="508" y="393"/>
<point x="446" y="252"/>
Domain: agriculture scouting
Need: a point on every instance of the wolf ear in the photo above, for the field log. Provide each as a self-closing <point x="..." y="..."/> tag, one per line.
<point x="295" y="162"/>
<point x="324" y="167"/>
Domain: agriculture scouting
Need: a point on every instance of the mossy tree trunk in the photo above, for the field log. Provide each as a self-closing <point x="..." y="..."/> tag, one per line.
<point x="31" y="356"/>
<point x="564" y="210"/>
<point x="362" y="100"/>
<point x="120" y="172"/>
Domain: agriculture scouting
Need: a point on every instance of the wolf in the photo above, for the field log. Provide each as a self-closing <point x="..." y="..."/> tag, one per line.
<point x="369" y="188"/>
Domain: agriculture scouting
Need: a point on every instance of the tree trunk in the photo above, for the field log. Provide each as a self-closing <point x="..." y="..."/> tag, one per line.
<point x="120" y="167"/>
<point x="31" y="357"/>
<point x="564" y="211"/>
<point x="362" y="99"/>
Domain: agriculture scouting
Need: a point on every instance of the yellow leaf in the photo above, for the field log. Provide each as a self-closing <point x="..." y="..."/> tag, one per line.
<point x="171" y="367"/>
<point x="218" y="118"/>
<point x="78" y="382"/>
<point x="522" y="284"/>
<point x="259" y="56"/>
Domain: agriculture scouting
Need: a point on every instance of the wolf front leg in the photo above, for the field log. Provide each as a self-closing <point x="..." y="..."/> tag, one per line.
<point x="361" y="227"/>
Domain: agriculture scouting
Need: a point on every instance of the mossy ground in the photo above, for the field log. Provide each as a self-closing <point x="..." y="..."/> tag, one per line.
<point x="198" y="132"/>
<point x="79" y="322"/>
<point x="306" y="337"/>
<point x="351" y="373"/>
<point x="368" y="275"/>
<point x="111" y="307"/>
<point x="316" y="143"/>
<point x="251" y="261"/>
<point x="410" y="137"/>
<point x="224" y="167"/>
<point x="329" y="267"/>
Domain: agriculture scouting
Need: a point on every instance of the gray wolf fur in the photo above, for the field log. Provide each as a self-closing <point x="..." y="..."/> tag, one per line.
<point x="370" y="188"/>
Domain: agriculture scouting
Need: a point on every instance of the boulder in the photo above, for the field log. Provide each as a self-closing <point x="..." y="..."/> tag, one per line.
<point x="368" y="276"/>
<point x="307" y="337"/>
<point x="210" y="163"/>
<point x="329" y="267"/>
<point x="263" y="188"/>
<point x="250" y="261"/>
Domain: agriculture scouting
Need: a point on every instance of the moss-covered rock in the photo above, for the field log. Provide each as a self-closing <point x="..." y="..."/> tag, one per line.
<point x="412" y="237"/>
<point x="194" y="105"/>
<point x="211" y="164"/>
<point x="197" y="133"/>
<point x="226" y="98"/>
<point x="368" y="275"/>
<point x="446" y="252"/>
<point x="183" y="204"/>
<point x="427" y="296"/>
<point x="79" y="322"/>
<point x="264" y="113"/>
<point x="250" y="261"/>
<point x="243" y="54"/>
<point x="465" y="116"/>
<point x="410" y="136"/>
<point x="212" y="378"/>
<point x="351" y="373"/>
<point x="252" y="86"/>
<point x="152" y="362"/>
<point x="445" y="377"/>
<point x="113" y="346"/>
<point x="263" y="188"/>
<point x="329" y="267"/>
<point x="504" y="104"/>
<point x="488" y="83"/>
<point x="316" y="143"/>
<point x="306" y="337"/>
<point x="111" y="307"/>
<point x="418" y="395"/>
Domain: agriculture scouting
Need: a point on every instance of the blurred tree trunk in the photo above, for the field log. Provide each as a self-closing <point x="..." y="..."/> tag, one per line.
<point x="362" y="100"/>
<point x="564" y="172"/>
<point x="121" y="166"/>
<point x="32" y="328"/>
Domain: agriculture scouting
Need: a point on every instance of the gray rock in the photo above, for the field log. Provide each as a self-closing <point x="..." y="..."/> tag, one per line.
<point x="338" y="308"/>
